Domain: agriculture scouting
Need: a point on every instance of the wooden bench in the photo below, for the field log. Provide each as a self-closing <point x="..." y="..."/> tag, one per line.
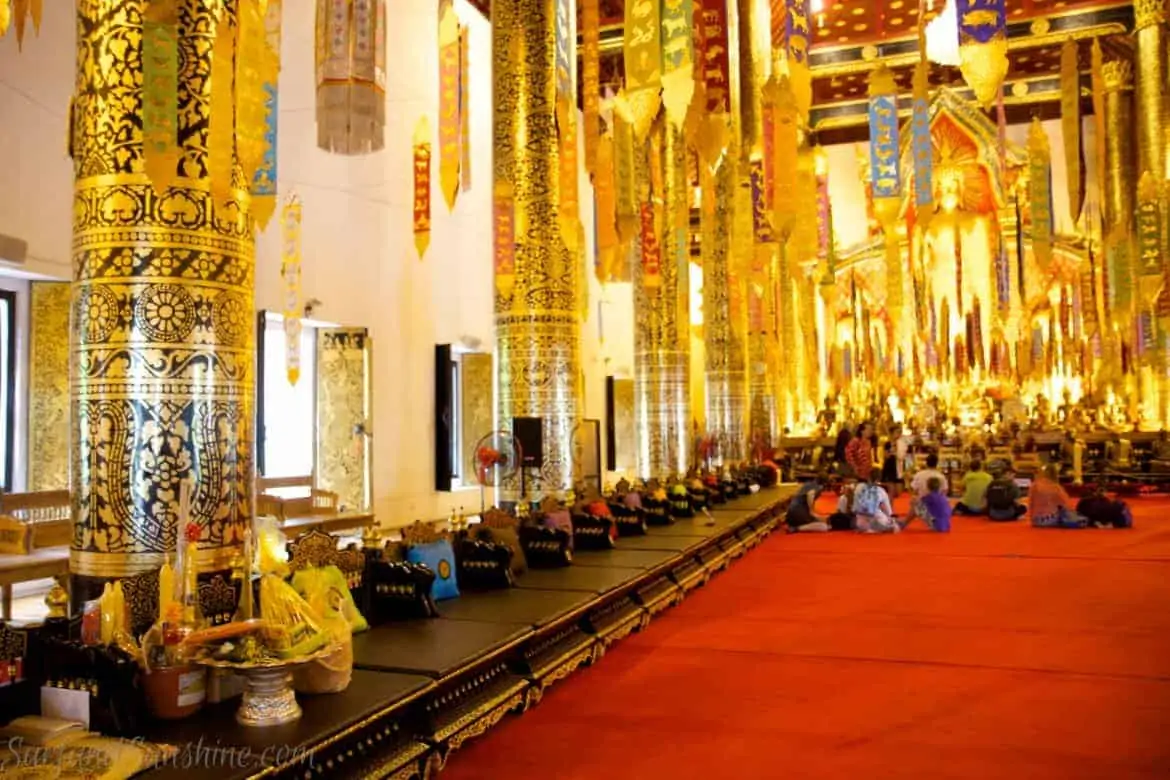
<point x="41" y="525"/>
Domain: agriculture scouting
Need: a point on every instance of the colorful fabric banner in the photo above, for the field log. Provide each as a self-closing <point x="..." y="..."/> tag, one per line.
<point x="290" y="271"/>
<point x="450" y="128"/>
<point x="798" y="39"/>
<point x="265" y="180"/>
<point x="1003" y="275"/>
<point x="160" y="93"/>
<point x="824" y="215"/>
<point x="1040" y="194"/>
<point x="569" y="208"/>
<point x="465" y="107"/>
<point x="755" y="297"/>
<point x="421" y="156"/>
<point x="626" y="200"/>
<point x="711" y="35"/>
<point x="606" y="199"/>
<point x="1070" y="127"/>
<point x="982" y="46"/>
<point x="785" y="146"/>
<point x="252" y="61"/>
<point x="678" y="58"/>
<point x="504" y="238"/>
<point x="923" y="147"/>
<point x="761" y="224"/>
<point x="1149" y="234"/>
<point x="643" y="62"/>
<point x="221" y="132"/>
<point x="883" y="135"/>
<point x="651" y="251"/>
<point x="591" y="81"/>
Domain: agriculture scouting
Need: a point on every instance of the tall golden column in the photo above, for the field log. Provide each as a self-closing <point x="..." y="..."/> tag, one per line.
<point x="1150" y="17"/>
<point x="538" y="317"/>
<point x="662" y="327"/>
<point x="163" y="338"/>
<point x="1120" y="181"/>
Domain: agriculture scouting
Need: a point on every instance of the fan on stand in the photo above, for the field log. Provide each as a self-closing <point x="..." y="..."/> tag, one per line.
<point x="497" y="457"/>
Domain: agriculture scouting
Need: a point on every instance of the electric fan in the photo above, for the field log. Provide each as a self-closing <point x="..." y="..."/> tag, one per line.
<point x="497" y="457"/>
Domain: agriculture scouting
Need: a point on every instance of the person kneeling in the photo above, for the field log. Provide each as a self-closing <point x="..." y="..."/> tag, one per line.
<point x="872" y="510"/>
<point x="975" y="484"/>
<point x="1003" y="498"/>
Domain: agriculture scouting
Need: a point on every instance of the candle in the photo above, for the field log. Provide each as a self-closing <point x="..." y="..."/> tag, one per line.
<point x="166" y="586"/>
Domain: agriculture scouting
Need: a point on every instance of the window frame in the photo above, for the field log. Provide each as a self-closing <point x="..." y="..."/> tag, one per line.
<point x="272" y="320"/>
<point x="9" y="380"/>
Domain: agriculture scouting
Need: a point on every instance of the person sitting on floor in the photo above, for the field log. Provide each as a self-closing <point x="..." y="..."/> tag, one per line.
<point x="1050" y="503"/>
<point x="801" y="515"/>
<point x="919" y="485"/>
<point x="872" y="509"/>
<point x="843" y="519"/>
<point x="1103" y="512"/>
<point x="1003" y="498"/>
<point x="975" y="484"/>
<point x="937" y="506"/>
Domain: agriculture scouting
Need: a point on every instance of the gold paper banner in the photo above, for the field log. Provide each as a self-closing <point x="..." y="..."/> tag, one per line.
<point x="465" y="106"/>
<point x="785" y="146"/>
<point x="607" y="233"/>
<point x="351" y="76"/>
<point x="1070" y="125"/>
<point x="504" y="238"/>
<point x="450" y="131"/>
<point x="1040" y="194"/>
<point x="651" y="251"/>
<point x="5" y="16"/>
<point x="22" y="12"/>
<point x="421" y="155"/>
<point x="252" y="60"/>
<point x="1097" y="83"/>
<point x="290" y="270"/>
<point x="160" y="93"/>
<point x="221" y="133"/>
<point x="626" y="200"/>
<point x="591" y="81"/>
<point x="678" y="58"/>
<point x="1149" y="236"/>
<point x="643" y="62"/>
<point x="264" y="182"/>
<point x="569" y="210"/>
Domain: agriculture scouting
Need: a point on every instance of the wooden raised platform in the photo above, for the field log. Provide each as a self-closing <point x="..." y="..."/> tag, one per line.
<point x="423" y="688"/>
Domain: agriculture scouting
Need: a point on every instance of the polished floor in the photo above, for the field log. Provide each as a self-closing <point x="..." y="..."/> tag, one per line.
<point x="997" y="651"/>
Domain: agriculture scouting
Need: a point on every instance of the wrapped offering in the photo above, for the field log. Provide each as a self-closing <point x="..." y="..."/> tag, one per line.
<point x="294" y="630"/>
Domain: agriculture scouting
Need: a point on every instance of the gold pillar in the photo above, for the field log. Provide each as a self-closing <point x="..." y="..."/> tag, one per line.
<point x="1152" y="125"/>
<point x="1120" y="188"/>
<point x="538" y="320"/>
<point x="163" y="333"/>
<point x="726" y="385"/>
<point x="662" y="325"/>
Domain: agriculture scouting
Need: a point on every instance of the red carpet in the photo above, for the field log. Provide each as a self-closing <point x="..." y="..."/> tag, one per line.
<point x="998" y="651"/>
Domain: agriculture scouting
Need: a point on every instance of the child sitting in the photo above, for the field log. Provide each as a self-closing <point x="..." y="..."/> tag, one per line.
<point x="872" y="510"/>
<point x="937" y="506"/>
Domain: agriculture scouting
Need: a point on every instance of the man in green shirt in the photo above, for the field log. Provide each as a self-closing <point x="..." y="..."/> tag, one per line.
<point x="975" y="484"/>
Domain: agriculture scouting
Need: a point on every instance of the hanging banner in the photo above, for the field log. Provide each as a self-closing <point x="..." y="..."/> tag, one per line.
<point x="798" y="39"/>
<point x="606" y="199"/>
<point x="264" y="181"/>
<point x="923" y="147"/>
<point x="785" y="145"/>
<point x="883" y="135"/>
<point x="421" y="156"/>
<point x="804" y="240"/>
<point x="643" y="62"/>
<point x="564" y="54"/>
<point x="450" y="129"/>
<point x="711" y="34"/>
<point x="1070" y="128"/>
<point x="591" y="81"/>
<point x="755" y="298"/>
<point x="23" y="11"/>
<point x="1003" y="276"/>
<point x="1149" y="237"/>
<point x="1097" y="85"/>
<point x="569" y="209"/>
<point x="983" y="57"/>
<point x="623" y="149"/>
<point x="160" y="93"/>
<point x="221" y="132"/>
<point x="1089" y="295"/>
<point x="465" y="107"/>
<point x="5" y="16"/>
<point x="1040" y="194"/>
<point x="252" y="61"/>
<point x="824" y="214"/>
<point x="678" y="59"/>
<point x="290" y="271"/>
<point x="504" y="238"/>
<point x="761" y="225"/>
<point x="651" y="251"/>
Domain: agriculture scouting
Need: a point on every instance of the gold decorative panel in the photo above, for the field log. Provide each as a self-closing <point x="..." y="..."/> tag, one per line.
<point x="625" y="445"/>
<point x="163" y="346"/>
<point x="48" y="386"/>
<point x="476" y="398"/>
<point x="343" y="414"/>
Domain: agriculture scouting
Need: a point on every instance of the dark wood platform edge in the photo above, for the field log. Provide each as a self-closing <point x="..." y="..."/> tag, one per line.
<point x="413" y="738"/>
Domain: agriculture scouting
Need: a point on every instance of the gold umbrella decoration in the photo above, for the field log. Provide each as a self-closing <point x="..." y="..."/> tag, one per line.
<point x="351" y="76"/>
<point x="983" y="58"/>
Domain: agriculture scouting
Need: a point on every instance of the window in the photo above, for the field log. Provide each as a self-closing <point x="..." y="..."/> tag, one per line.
<point x="454" y="443"/>
<point x="7" y="386"/>
<point x="289" y="411"/>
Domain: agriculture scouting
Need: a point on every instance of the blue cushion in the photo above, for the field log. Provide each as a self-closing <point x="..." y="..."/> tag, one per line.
<point x="439" y="557"/>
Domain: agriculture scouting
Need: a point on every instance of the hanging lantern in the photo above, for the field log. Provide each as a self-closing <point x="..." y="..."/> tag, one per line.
<point x="351" y="76"/>
<point x="983" y="58"/>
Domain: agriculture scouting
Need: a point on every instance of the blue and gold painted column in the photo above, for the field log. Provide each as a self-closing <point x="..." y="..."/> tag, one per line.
<point x="662" y="322"/>
<point x="163" y="338"/>
<point x="537" y="300"/>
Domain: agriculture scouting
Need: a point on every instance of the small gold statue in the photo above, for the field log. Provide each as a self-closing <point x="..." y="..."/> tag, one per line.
<point x="57" y="600"/>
